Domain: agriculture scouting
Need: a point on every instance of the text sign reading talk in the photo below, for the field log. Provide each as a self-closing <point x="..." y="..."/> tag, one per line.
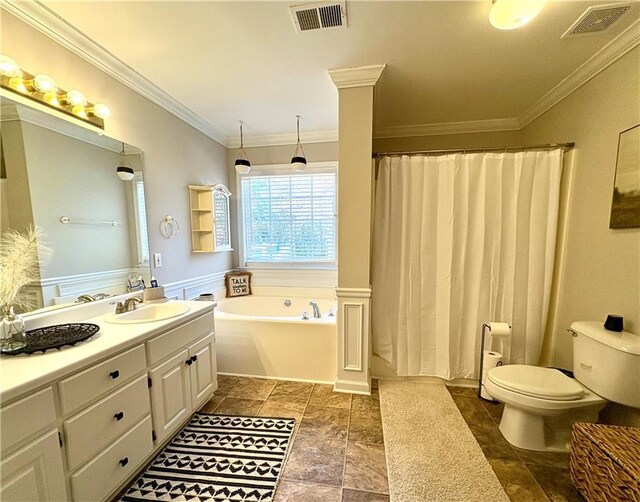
<point x="238" y="284"/>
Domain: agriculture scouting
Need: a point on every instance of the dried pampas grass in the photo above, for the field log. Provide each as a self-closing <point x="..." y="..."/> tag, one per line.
<point x="20" y="258"/>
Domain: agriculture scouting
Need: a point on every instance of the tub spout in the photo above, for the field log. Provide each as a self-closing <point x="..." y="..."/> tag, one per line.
<point x="316" y="310"/>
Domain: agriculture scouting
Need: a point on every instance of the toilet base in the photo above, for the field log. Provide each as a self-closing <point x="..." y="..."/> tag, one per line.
<point x="531" y="431"/>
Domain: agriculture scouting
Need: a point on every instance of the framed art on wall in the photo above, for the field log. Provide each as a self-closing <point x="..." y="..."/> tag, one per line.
<point x="625" y="206"/>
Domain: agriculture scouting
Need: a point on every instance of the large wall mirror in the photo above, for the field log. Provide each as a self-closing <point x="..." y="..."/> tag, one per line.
<point x="61" y="177"/>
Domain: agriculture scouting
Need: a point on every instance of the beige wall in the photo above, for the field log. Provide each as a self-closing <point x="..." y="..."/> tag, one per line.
<point x="271" y="155"/>
<point x="175" y="154"/>
<point x="444" y="141"/>
<point x="601" y="273"/>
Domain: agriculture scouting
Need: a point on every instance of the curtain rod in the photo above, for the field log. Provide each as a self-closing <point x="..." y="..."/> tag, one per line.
<point x="565" y="146"/>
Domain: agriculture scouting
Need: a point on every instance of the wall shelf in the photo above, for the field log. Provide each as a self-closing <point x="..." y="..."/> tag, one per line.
<point x="209" y="210"/>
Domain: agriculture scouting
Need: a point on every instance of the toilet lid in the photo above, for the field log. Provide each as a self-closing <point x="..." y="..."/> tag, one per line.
<point x="545" y="383"/>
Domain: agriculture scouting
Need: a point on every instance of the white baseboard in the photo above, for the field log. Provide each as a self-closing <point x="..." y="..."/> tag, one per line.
<point x="352" y="387"/>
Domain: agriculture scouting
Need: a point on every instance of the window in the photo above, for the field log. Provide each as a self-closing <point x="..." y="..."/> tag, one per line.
<point x="289" y="218"/>
<point x="142" y="236"/>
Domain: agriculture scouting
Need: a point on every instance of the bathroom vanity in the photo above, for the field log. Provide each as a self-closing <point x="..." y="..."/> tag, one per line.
<point x="78" y="423"/>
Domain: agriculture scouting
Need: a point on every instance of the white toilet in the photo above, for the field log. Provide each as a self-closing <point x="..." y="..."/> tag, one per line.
<point x="541" y="404"/>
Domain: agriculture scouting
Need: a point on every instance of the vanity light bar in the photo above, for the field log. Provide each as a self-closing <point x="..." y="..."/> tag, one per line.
<point x="44" y="90"/>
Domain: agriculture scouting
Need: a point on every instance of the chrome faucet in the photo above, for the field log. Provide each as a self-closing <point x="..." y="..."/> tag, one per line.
<point x="128" y="305"/>
<point x="84" y="299"/>
<point x="316" y="310"/>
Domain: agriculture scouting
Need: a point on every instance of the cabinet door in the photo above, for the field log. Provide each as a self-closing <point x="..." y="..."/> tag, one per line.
<point x="170" y="394"/>
<point x="203" y="370"/>
<point x="34" y="472"/>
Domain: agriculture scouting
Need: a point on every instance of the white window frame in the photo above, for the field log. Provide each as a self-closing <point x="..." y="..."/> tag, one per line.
<point x="274" y="169"/>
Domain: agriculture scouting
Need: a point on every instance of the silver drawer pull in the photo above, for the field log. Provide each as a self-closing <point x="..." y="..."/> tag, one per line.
<point x="586" y="366"/>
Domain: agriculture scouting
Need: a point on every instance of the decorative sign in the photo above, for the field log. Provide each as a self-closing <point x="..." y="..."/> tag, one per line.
<point x="238" y="283"/>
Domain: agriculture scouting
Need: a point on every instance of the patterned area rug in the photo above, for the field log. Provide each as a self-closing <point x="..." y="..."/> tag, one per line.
<point x="218" y="458"/>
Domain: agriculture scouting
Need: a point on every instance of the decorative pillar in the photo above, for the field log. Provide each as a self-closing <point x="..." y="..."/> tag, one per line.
<point x="355" y="189"/>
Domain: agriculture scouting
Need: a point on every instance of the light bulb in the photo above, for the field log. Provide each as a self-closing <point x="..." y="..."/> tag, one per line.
<point x="79" y="111"/>
<point x="8" y="66"/>
<point x="44" y="83"/>
<point x="51" y="98"/>
<point x="18" y="84"/>
<point x="511" y="14"/>
<point x="75" y="98"/>
<point x="100" y="110"/>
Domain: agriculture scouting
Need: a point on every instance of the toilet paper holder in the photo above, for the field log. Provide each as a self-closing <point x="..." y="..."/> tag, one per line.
<point x="486" y="327"/>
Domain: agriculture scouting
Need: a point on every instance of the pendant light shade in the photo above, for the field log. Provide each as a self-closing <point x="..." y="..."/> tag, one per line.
<point x="298" y="161"/>
<point x="511" y="14"/>
<point x="243" y="166"/>
<point x="124" y="171"/>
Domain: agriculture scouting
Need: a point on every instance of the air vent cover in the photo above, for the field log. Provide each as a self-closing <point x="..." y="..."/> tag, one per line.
<point x="319" y="15"/>
<point x="597" y="19"/>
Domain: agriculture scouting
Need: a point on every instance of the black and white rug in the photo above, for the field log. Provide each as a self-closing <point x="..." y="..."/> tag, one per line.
<point x="218" y="458"/>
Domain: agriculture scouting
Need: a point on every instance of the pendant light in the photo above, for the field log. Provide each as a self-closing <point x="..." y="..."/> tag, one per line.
<point x="243" y="166"/>
<point x="124" y="171"/>
<point x="298" y="161"/>
<point x="511" y="14"/>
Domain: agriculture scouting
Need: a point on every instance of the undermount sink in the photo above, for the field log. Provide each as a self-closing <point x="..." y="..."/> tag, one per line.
<point x="149" y="313"/>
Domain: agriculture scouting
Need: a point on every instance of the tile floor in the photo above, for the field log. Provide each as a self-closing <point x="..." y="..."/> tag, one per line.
<point x="526" y="476"/>
<point x="338" y="448"/>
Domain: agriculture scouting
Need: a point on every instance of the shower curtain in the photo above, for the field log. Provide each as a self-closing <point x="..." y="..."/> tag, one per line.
<point x="460" y="240"/>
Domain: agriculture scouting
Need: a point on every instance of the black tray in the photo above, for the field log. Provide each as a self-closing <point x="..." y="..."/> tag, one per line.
<point x="53" y="337"/>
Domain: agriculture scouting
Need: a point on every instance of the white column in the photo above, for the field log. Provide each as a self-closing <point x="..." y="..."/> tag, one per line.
<point x="355" y="189"/>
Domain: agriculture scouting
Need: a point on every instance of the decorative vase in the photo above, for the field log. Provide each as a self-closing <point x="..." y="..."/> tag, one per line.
<point x="12" y="332"/>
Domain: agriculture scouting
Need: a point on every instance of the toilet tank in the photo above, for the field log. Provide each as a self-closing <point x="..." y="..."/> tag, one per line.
<point x="607" y="362"/>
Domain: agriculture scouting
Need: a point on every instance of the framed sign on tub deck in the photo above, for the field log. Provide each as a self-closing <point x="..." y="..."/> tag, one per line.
<point x="237" y="283"/>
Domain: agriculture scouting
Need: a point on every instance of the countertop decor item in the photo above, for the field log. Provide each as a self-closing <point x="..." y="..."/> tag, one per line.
<point x="53" y="337"/>
<point x="20" y="258"/>
<point x="11" y="331"/>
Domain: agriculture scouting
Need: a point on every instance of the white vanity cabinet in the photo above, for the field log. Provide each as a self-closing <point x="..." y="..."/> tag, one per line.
<point x="85" y="432"/>
<point x="32" y="466"/>
<point x="187" y="376"/>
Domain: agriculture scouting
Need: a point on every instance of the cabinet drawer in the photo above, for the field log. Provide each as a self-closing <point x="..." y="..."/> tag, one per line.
<point x="96" y="480"/>
<point x="24" y="418"/>
<point x="93" y="429"/>
<point x="85" y="386"/>
<point x="169" y="343"/>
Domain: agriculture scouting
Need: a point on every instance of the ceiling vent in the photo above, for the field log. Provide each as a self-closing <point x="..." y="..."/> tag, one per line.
<point x="597" y="19"/>
<point x="319" y="15"/>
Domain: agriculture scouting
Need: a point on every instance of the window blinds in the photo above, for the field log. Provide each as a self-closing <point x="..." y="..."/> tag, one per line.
<point x="289" y="218"/>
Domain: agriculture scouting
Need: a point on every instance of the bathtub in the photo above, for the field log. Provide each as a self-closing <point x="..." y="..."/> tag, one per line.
<point x="261" y="336"/>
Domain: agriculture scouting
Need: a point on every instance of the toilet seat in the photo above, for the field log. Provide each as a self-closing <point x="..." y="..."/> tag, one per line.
<point x="541" y="383"/>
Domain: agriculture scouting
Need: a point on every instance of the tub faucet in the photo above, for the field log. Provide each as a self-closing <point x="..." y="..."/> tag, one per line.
<point x="316" y="310"/>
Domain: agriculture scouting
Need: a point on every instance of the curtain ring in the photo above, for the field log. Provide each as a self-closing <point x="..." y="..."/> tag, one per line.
<point x="169" y="227"/>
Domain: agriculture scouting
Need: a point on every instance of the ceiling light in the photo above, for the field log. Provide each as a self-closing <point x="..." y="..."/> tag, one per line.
<point x="124" y="171"/>
<point x="8" y="66"/>
<point x="298" y="161"/>
<point x="243" y="166"/>
<point x="510" y="14"/>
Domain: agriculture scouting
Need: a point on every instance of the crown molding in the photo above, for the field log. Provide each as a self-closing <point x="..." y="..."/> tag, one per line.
<point x="472" y="126"/>
<point x="47" y="22"/>
<point x="285" y="139"/>
<point x="360" y="76"/>
<point x="606" y="56"/>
